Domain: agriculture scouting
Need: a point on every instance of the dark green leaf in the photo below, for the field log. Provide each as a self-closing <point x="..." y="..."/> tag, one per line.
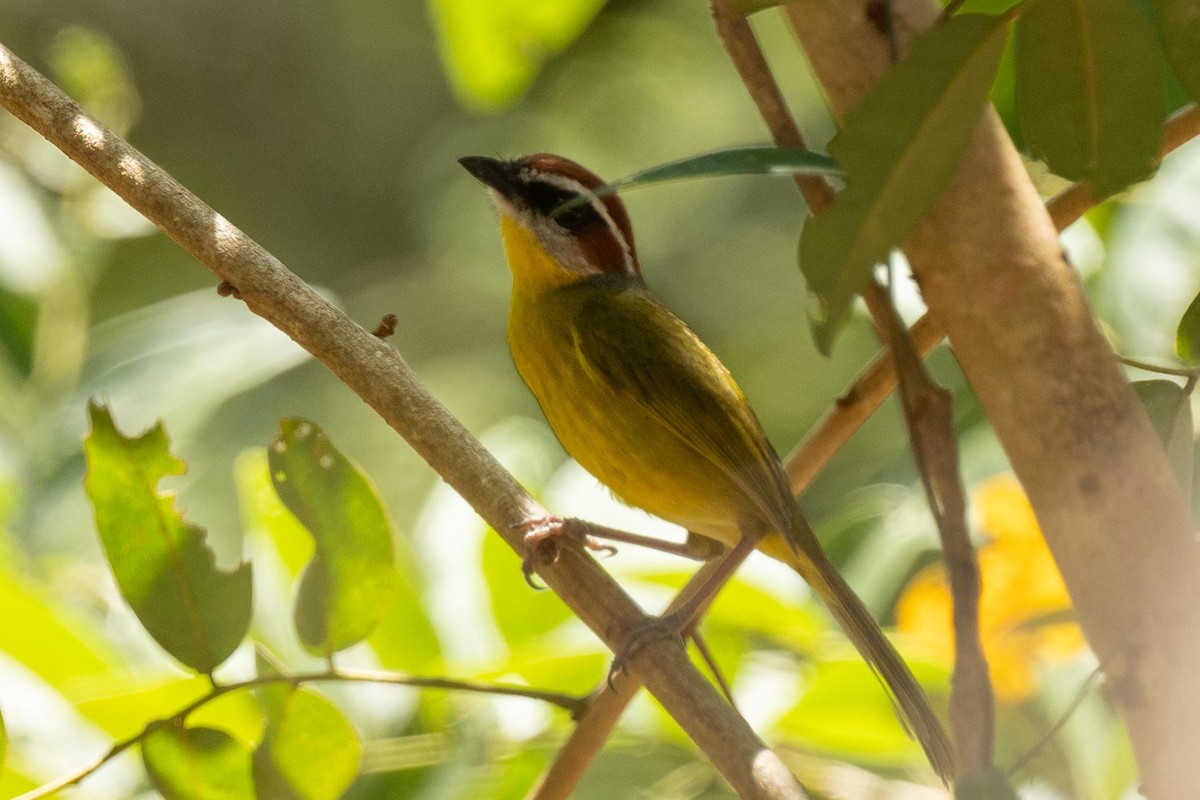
<point x="1179" y="26"/>
<point x="163" y="567"/>
<point x="1090" y="90"/>
<point x="734" y="161"/>
<point x="349" y="582"/>
<point x="899" y="148"/>
<point x="1170" y="409"/>
<point x="198" y="764"/>
<point x="310" y="750"/>
<point x="1187" y="335"/>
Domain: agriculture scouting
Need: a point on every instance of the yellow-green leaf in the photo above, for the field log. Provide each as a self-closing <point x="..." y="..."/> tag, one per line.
<point x="1090" y="90"/>
<point x="310" y="751"/>
<point x="899" y="147"/>
<point x="198" y="764"/>
<point x="163" y="567"/>
<point x="349" y="582"/>
<point x="493" y="50"/>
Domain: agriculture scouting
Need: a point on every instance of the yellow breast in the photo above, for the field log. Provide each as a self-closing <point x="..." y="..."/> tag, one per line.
<point x="609" y="433"/>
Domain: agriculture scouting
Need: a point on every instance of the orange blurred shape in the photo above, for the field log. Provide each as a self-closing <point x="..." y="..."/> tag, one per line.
<point x="1024" y="612"/>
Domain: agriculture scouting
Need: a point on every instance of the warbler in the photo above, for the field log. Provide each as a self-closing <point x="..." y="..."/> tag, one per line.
<point x="642" y="404"/>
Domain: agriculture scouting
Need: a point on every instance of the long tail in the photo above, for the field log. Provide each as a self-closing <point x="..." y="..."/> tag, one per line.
<point x="862" y="629"/>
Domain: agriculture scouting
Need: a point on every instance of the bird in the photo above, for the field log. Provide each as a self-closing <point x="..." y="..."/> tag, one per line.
<point x="640" y="402"/>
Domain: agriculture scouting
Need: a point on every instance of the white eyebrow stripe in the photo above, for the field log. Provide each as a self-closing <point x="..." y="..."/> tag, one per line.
<point x="572" y="185"/>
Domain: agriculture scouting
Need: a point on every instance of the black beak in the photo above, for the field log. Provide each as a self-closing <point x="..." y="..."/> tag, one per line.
<point x="497" y="174"/>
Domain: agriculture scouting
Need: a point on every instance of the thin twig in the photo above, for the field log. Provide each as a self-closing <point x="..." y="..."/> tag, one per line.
<point x="378" y="374"/>
<point x="575" y="705"/>
<point x="1080" y="695"/>
<point x="1182" y="372"/>
<point x="929" y="417"/>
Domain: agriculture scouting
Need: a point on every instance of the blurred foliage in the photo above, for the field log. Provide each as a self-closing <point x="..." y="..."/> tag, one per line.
<point x="328" y="132"/>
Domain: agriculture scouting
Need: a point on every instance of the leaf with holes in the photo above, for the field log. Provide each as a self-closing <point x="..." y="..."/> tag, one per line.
<point x="899" y="148"/>
<point x="1090" y="90"/>
<point x="163" y="567"/>
<point x="349" y="582"/>
<point x="192" y="763"/>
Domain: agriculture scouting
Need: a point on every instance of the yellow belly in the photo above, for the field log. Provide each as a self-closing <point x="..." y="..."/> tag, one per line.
<point x="613" y="437"/>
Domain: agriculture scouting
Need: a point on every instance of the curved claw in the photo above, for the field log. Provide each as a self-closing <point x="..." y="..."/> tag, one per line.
<point x="540" y="535"/>
<point x="670" y="626"/>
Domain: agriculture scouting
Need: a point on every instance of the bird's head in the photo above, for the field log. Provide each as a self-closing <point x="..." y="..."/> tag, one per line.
<point x="592" y="238"/>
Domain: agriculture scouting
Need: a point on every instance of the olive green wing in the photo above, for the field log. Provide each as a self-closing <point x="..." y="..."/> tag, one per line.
<point x="637" y="346"/>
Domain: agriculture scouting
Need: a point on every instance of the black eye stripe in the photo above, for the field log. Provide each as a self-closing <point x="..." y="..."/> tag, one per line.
<point x="544" y="198"/>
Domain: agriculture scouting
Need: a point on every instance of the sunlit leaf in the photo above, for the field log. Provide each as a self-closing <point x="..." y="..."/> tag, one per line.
<point x="899" y="148"/>
<point x="197" y="764"/>
<point x="1170" y="409"/>
<point x="1090" y="90"/>
<point x="845" y="712"/>
<point x="492" y="51"/>
<point x="734" y="161"/>
<point x="56" y="645"/>
<point x="163" y="567"/>
<point x="350" y="580"/>
<point x="3" y="741"/>
<point x="310" y="751"/>
<point x="520" y="613"/>
<point x="1179" y="26"/>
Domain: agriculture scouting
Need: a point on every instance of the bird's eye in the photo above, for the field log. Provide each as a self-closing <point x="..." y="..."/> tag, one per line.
<point x="545" y="198"/>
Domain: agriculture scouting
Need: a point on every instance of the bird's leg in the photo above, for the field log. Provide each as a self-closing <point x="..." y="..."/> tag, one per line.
<point x="541" y="535"/>
<point x="680" y="622"/>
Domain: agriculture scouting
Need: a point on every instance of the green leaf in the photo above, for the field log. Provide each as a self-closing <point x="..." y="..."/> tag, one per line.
<point x="845" y="712"/>
<point x="493" y="51"/>
<point x="734" y="161"/>
<point x="349" y="582"/>
<point x="1170" y="409"/>
<point x="197" y="764"/>
<point x="1187" y="335"/>
<point x="310" y="751"/>
<point x="163" y="567"/>
<point x="3" y="742"/>
<point x="899" y="148"/>
<point x="1090" y="90"/>
<point x="1179" y="26"/>
<point x="521" y="615"/>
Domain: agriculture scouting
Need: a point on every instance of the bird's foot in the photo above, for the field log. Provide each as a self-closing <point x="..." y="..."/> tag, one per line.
<point x="541" y="536"/>
<point x="675" y="625"/>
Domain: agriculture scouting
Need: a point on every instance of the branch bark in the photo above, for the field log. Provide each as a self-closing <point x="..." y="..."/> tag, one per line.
<point x="990" y="267"/>
<point x="384" y="381"/>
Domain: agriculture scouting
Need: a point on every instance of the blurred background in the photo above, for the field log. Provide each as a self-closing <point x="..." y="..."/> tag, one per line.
<point x="329" y="131"/>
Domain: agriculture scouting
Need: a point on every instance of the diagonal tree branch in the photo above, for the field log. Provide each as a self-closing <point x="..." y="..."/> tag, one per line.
<point x="377" y="374"/>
